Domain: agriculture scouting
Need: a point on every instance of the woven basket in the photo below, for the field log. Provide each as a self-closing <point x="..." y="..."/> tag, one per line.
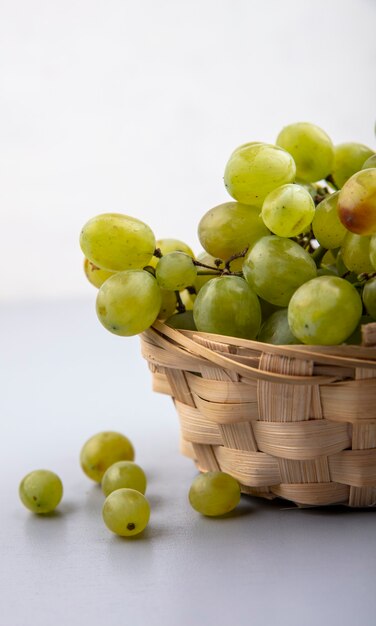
<point x="294" y="422"/>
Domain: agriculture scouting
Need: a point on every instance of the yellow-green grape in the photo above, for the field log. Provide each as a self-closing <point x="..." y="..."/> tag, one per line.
<point x="168" y="306"/>
<point x="276" y="330"/>
<point x="170" y="245"/>
<point x="348" y="159"/>
<point x="117" y="242"/>
<point x="41" y="491"/>
<point x="129" y="302"/>
<point x="214" y="493"/>
<point x="357" y="203"/>
<point x="175" y="271"/>
<point x="246" y="145"/>
<point x="227" y="306"/>
<point x="275" y="267"/>
<point x="311" y="149"/>
<point x="255" y="170"/>
<point x="229" y="228"/>
<point x="126" y="512"/>
<point x="124" y="474"/>
<point x="182" y="321"/>
<point x="371" y="162"/>
<point x="369" y="296"/>
<point x="326" y="225"/>
<point x="372" y="251"/>
<point x="355" y="251"/>
<point x="103" y="450"/>
<point x="330" y="256"/>
<point x="94" y="274"/>
<point x="325" y="310"/>
<point x="288" y="210"/>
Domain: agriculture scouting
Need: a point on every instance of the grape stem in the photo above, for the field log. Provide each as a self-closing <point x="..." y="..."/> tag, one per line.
<point x="208" y="267"/>
<point x="158" y="253"/>
<point x="319" y="254"/>
<point x="180" y="307"/>
<point x="330" y="181"/>
<point x="232" y="258"/>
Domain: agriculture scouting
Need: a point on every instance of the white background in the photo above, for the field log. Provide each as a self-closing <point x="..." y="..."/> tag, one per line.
<point x="118" y="105"/>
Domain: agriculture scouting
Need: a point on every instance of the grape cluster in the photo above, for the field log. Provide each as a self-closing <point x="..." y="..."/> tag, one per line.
<point x="292" y="259"/>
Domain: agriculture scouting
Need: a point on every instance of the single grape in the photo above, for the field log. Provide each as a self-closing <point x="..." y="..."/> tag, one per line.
<point x="275" y="267"/>
<point x="116" y="242"/>
<point x="326" y="225"/>
<point x="170" y="245"/>
<point x="255" y="170"/>
<point x="94" y="274"/>
<point x="325" y="310"/>
<point x="355" y="251"/>
<point x="348" y="159"/>
<point x="41" y="491"/>
<point x="357" y="203"/>
<point x="129" y="302"/>
<point x="371" y="162"/>
<point x="126" y="512"/>
<point x="168" y="306"/>
<point x="288" y="210"/>
<point x="214" y="493"/>
<point x="311" y="149"/>
<point x="183" y="321"/>
<point x="175" y="271"/>
<point x="369" y="296"/>
<point x="103" y="450"/>
<point x="372" y="251"/>
<point x="123" y="474"/>
<point x="276" y="330"/>
<point x="227" y="306"/>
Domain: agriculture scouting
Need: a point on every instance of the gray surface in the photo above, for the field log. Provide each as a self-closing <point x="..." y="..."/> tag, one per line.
<point x="63" y="379"/>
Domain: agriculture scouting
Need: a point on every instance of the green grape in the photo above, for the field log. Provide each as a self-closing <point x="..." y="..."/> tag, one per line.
<point x="348" y="159"/>
<point x="267" y="309"/>
<point x="41" y="491"/>
<point x="369" y="296"/>
<point x="214" y="493"/>
<point x="325" y="310"/>
<point x="227" y="306"/>
<point x="170" y="245"/>
<point x="275" y="267"/>
<point x="371" y="162"/>
<point x="288" y="210"/>
<point x="356" y="253"/>
<point x="326" y="225"/>
<point x="129" y="302"/>
<point x="276" y="330"/>
<point x="103" y="450"/>
<point x="229" y="228"/>
<point x="246" y="145"/>
<point x="255" y="170"/>
<point x="123" y="474"/>
<point x="311" y="149"/>
<point x="356" y="337"/>
<point x="357" y="203"/>
<point x="372" y="251"/>
<point x="208" y="259"/>
<point x="117" y="242"/>
<point x="94" y="274"/>
<point x="182" y="321"/>
<point x="175" y="271"/>
<point x="126" y="512"/>
<point x="168" y="306"/>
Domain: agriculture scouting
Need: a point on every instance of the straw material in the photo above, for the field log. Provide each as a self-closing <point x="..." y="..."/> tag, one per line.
<point x="294" y="422"/>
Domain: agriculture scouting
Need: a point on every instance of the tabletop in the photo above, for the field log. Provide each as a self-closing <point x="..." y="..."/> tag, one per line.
<point x="63" y="379"/>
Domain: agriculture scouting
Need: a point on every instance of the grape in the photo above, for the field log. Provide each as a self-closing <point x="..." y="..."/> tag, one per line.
<point x="123" y="474"/>
<point x="288" y="210"/>
<point x="326" y="225"/>
<point x="126" y="512"/>
<point x="229" y="228"/>
<point x="175" y="271"/>
<point x="348" y="159"/>
<point x="311" y="149"/>
<point x="41" y="491"/>
<point x="356" y="253"/>
<point x="129" y="302"/>
<point x="372" y="252"/>
<point x="117" y="242"/>
<point x="214" y="493"/>
<point x="188" y="299"/>
<point x="94" y="274"/>
<point x="275" y="267"/>
<point x="325" y="310"/>
<point x="357" y="203"/>
<point x="208" y="259"/>
<point x="182" y="321"/>
<point x="227" y="306"/>
<point x="369" y="296"/>
<point x="102" y="450"/>
<point x="168" y="305"/>
<point x="170" y="245"/>
<point x="276" y="330"/>
<point x="255" y="170"/>
<point x="371" y="162"/>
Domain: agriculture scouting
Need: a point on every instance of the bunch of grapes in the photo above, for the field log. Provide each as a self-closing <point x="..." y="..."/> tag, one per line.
<point x="292" y="259"/>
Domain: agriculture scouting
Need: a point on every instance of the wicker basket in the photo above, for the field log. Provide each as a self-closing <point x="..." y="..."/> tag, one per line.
<point x="294" y="422"/>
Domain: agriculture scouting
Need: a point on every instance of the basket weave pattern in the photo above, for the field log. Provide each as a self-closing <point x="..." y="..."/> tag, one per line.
<point x="294" y="422"/>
